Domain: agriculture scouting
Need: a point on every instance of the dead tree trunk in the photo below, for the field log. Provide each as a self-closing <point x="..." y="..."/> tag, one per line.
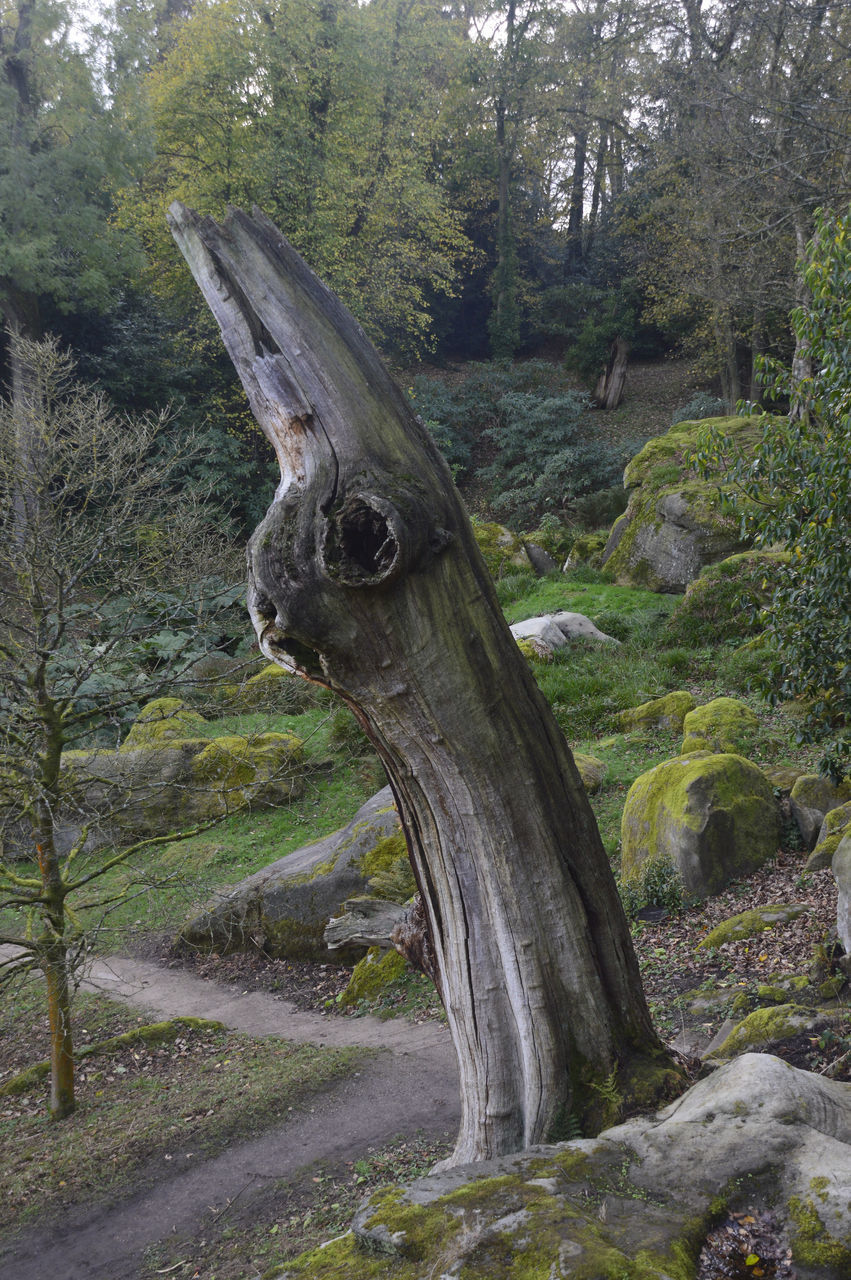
<point x="365" y="576"/>
<point x="608" y="392"/>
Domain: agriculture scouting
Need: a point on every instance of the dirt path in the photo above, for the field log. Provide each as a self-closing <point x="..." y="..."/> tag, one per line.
<point x="411" y="1088"/>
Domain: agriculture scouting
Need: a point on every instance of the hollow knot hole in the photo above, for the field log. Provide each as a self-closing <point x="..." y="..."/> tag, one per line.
<point x="366" y="539"/>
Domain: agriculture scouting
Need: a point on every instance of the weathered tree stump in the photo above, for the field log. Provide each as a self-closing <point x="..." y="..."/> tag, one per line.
<point x="608" y="392"/>
<point x="365" y="577"/>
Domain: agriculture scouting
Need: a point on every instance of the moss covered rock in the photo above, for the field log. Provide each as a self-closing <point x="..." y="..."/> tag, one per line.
<point x="667" y="712"/>
<point x="674" y="524"/>
<point x="271" y="688"/>
<point x="587" y="548"/>
<point x="372" y="975"/>
<point x="633" y="1204"/>
<point x="768" y="1027"/>
<point x="161" y="723"/>
<point x="781" y="776"/>
<point x="714" y="818"/>
<point x="723" y="725"/>
<point x="283" y="909"/>
<point x="173" y="786"/>
<point x="723" y="603"/>
<point x="591" y="770"/>
<point x="836" y="825"/>
<point x="234" y="771"/>
<point x="750" y="923"/>
<point x="502" y="550"/>
<point x="811" y="799"/>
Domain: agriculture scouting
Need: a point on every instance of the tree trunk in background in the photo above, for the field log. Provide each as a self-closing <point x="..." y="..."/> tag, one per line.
<point x="608" y="392"/>
<point x="802" y="364"/>
<point x="365" y="577"/>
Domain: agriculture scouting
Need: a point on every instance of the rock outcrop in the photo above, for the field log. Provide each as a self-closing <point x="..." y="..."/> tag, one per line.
<point x="165" y="778"/>
<point x="712" y="817"/>
<point x="284" y="908"/>
<point x="674" y="523"/>
<point x="634" y="1202"/>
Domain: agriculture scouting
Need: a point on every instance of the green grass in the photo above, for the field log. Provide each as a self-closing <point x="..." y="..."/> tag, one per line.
<point x="157" y="889"/>
<point x="577" y="591"/>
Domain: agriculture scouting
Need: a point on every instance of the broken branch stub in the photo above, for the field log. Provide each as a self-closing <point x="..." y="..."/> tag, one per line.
<point x="365" y="576"/>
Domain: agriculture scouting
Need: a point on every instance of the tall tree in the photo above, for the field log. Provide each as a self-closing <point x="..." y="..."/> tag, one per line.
<point x="366" y="578"/>
<point x="328" y="117"/>
<point x="58" y="156"/>
<point x="754" y="120"/>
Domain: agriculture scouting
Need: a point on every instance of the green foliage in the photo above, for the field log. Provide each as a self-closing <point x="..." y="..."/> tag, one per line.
<point x="607" y="314"/>
<point x="702" y="405"/>
<point x="600" y="509"/>
<point x="59" y="153"/>
<point x="798" y="483"/>
<point x="726" y="601"/>
<point x="659" y="887"/>
<point x="326" y="116"/>
<point x="544" y="458"/>
<point x="448" y="414"/>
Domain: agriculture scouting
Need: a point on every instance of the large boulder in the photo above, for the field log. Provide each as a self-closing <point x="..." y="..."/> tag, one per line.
<point x="667" y="712"/>
<point x="712" y="817"/>
<point x="674" y="523"/>
<point x="757" y="1135"/>
<point x="283" y="909"/>
<point x="811" y="799"/>
<point x="722" y="725"/>
<point x="165" y="778"/>
<point x="551" y="631"/>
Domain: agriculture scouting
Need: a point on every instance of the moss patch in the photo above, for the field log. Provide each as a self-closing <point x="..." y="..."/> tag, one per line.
<point x="747" y="924"/>
<point x="724" y="725"/>
<point x="162" y="722"/>
<point x="765" y="1027"/>
<point x="372" y="974"/>
<point x="812" y="1245"/>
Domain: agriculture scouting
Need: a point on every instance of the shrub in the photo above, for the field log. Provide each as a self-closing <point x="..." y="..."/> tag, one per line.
<point x="598" y="510"/>
<point x="702" y="405"/>
<point x="543" y="457"/>
<point x="726" y="601"/>
<point x="795" y="491"/>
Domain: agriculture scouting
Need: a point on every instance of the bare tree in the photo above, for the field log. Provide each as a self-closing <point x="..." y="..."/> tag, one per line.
<point x="100" y="611"/>
<point x="365" y="577"/>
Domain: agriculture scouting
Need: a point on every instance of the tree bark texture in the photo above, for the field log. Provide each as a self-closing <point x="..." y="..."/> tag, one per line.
<point x="365" y="577"/>
<point x="608" y="392"/>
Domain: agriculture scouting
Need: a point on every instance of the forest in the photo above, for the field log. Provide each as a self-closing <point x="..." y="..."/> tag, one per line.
<point x="505" y="837"/>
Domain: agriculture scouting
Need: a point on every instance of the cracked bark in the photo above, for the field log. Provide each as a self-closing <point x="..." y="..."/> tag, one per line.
<point x="365" y="576"/>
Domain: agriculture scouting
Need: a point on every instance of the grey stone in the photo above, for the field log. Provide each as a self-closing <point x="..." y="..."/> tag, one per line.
<point x="811" y="799"/>
<point x="284" y="908"/>
<point x="540" y="560"/>
<point x="639" y="1187"/>
<point x="553" y="630"/>
<point x="841" y="867"/>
